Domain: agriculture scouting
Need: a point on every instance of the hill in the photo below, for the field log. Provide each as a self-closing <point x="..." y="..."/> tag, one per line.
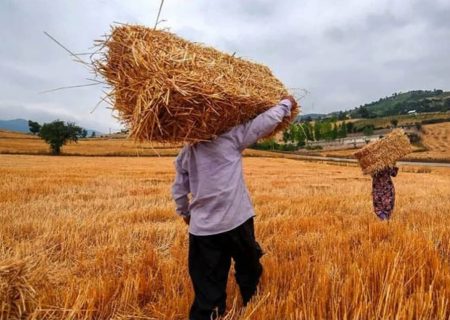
<point x="21" y="125"/>
<point x="419" y="101"/>
<point x="310" y="116"/>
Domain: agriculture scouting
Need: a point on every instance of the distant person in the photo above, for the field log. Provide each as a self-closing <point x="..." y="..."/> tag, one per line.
<point x="220" y="213"/>
<point x="383" y="192"/>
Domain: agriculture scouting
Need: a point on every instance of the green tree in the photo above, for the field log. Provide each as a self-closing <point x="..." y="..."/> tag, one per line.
<point x="394" y="123"/>
<point x="334" y="132"/>
<point x="447" y="103"/>
<point x="84" y="133"/>
<point x="301" y="134"/>
<point x="287" y="134"/>
<point x="364" y="112"/>
<point x="58" y="133"/>
<point x="34" y="127"/>
<point x="295" y="128"/>
<point x="269" y="144"/>
<point x="326" y="130"/>
<point x="317" y="130"/>
<point x="350" y="127"/>
<point x="290" y="133"/>
<point x="342" y="115"/>
<point x="342" y="132"/>
<point x="309" y="131"/>
<point x="368" y="130"/>
<point x="93" y="134"/>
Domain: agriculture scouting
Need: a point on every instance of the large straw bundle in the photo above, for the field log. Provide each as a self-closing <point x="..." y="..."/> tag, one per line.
<point x="384" y="152"/>
<point x="170" y="90"/>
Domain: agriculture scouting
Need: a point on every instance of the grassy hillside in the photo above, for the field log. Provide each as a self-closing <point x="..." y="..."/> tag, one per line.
<point x="402" y="103"/>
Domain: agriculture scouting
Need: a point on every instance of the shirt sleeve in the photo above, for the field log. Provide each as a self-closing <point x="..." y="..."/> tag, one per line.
<point x="248" y="133"/>
<point x="181" y="188"/>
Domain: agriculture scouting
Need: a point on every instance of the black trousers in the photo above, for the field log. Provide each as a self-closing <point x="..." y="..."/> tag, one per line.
<point x="209" y="264"/>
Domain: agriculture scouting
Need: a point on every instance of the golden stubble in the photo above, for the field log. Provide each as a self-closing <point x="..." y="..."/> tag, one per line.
<point x="88" y="237"/>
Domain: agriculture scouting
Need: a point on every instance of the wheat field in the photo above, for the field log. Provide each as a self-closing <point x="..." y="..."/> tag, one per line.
<point x="437" y="139"/>
<point x="97" y="238"/>
<point x="21" y="143"/>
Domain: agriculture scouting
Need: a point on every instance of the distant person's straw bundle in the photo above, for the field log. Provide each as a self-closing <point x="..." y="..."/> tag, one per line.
<point x="167" y="89"/>
<point x="384" y="152"/>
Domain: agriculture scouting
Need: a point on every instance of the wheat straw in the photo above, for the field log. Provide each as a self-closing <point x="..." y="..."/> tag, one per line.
<point x="167" y="89"/>
<point x="384" y="152"/>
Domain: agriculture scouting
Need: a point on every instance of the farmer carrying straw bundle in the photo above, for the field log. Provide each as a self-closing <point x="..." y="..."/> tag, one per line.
<point x="379" y="160"/>
<point x="220" y="213"/>
<point x="167" y="89"/>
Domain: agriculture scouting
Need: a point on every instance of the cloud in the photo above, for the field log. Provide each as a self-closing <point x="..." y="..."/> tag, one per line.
<point x="344" y="54"/>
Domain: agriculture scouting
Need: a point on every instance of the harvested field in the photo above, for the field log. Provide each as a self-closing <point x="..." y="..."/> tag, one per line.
<point x="437" y="139"/>
<point x="19" y="143"/>
<point x="97" y="238"/>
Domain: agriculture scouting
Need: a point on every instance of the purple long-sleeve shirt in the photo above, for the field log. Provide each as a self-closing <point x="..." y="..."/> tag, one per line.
<point x="212" y="173"/>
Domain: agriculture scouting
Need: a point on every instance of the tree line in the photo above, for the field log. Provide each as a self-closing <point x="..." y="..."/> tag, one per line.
<point x="300" y="133"/>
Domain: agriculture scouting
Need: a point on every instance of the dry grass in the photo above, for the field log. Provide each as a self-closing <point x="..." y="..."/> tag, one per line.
<point x="167" y="89"/>
<point x="436" y="139"/>
<point x="6" y="134"/>
<point x="97" y="238"/>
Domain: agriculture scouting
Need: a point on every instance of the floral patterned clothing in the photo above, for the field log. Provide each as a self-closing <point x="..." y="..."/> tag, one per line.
<point x="383" y="192"/>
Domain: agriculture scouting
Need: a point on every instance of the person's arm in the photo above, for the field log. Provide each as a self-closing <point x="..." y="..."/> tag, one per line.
<point x="181" y="189"/>
<point x="248" y="133"/>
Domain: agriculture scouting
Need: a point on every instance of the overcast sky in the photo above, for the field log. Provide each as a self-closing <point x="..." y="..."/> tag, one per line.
<point x="344" y="53"/>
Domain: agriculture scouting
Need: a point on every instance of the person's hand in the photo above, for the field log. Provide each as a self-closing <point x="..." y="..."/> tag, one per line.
<point x="291" y="99"/>
<point x="187" y="219"/>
